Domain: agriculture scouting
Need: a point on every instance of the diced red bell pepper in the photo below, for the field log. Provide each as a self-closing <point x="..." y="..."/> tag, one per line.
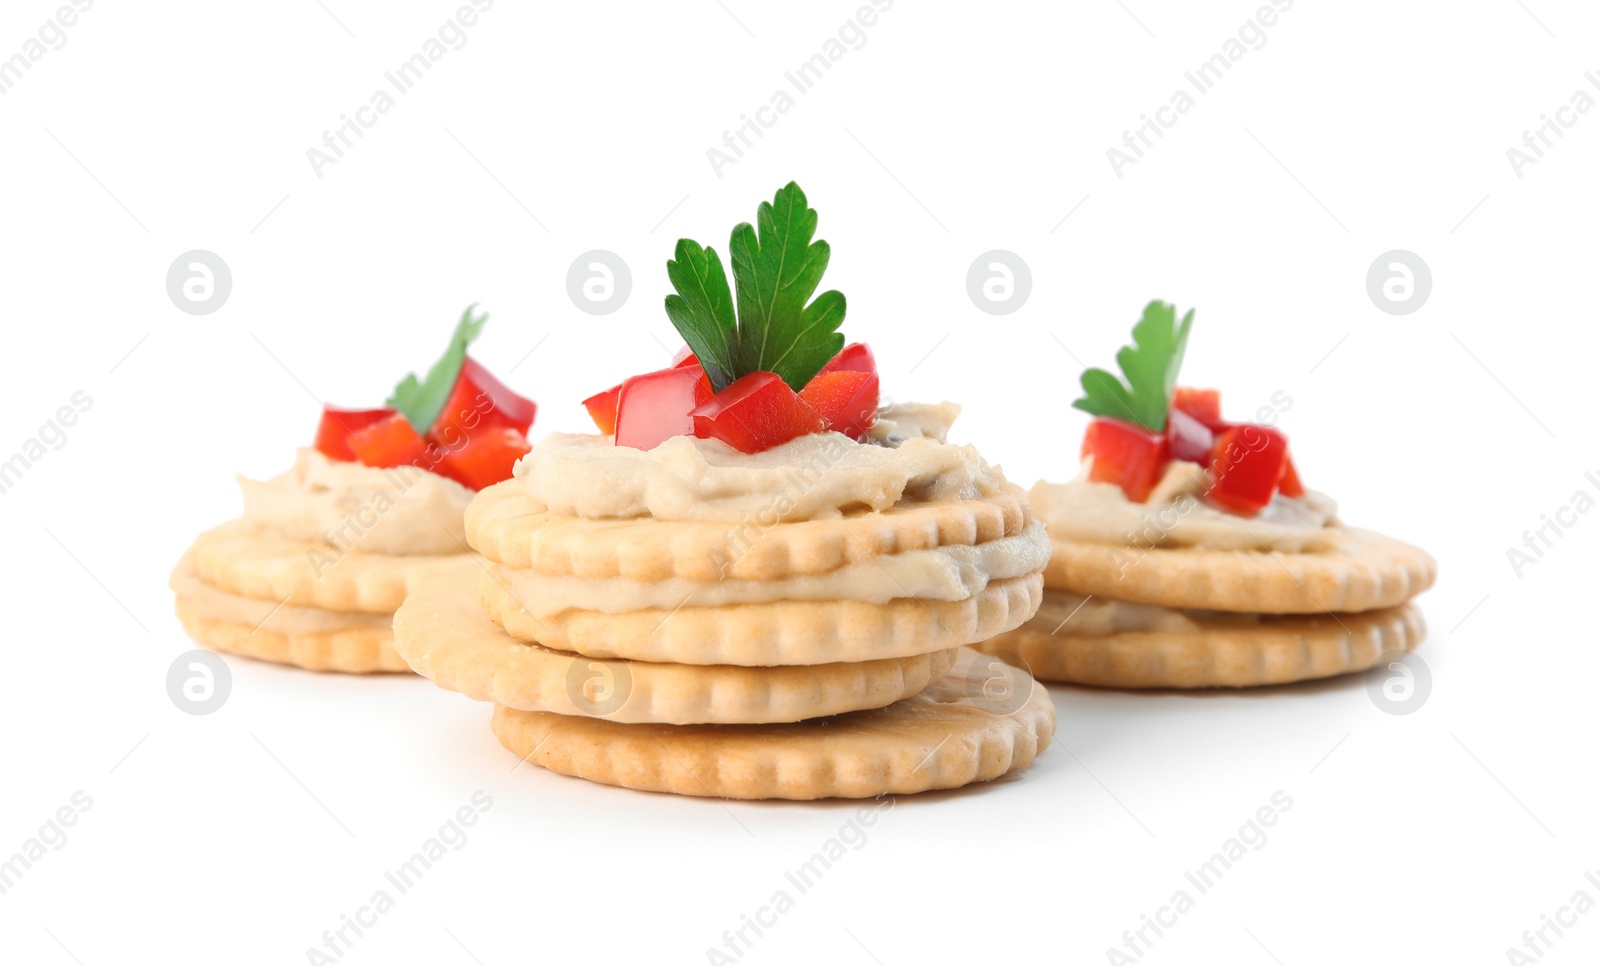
<point x="392" y="442"/>
<point x="684" y="358"/>
<point x="756" y="412"/>
<point x="855" y="357"/>
<point x="1246" y="465"/>
<point x="847" y="400"/>
<point x="602" y="408"/>
<point x="337" y="426"/>
<point x="486" y="459"/>
<point x="1190" y="439"/>
<point x="1205" y="405"/>
<point x="655" y="407"/>
<point x="1130" y="456"/>
<point x="1290" y="485"/>
<point x="479" y="400"/>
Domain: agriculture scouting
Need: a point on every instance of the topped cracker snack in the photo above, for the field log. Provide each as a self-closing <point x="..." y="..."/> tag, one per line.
<point x="1188" y="553"/>
<point x="312" y="572"/>
<point x="751" y="582"/>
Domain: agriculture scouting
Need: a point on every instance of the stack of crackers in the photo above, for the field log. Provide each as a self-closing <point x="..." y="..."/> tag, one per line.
<point x="1166" y="616"/>
<point x="244" y="589"/>
<point x="793" y="698"/>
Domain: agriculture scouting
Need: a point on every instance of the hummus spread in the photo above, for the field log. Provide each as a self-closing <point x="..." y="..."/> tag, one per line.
<point x="943" y="573"/>
<point x="1068" y="613"/>
<point x="1177" y="515"/>
<point x="815" y="477"/>
<point x="349" y="506"/>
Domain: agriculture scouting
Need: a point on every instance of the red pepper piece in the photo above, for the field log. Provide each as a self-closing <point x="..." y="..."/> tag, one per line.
<point x="1190" y="439"/>
<point x="1290" y="485"/>
<point x="1205" y="405"/>
<point x="392" y="442"/>
<point x="855" y="357"/>
<point x="481" y="400"/>
<point x="847" y="400"/>
<point x="485" y="459"/>
<point x="602" y="408"/>
<point x="1130" y="456"/>
<point x="1246" y="465"/>
<point x="655" y="407"/>
<point x="339" y="424"/>
<point x="756" y="412"/>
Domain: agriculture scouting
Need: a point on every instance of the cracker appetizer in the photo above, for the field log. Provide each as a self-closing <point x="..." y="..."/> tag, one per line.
<point x="751" y="582"/>
<point x="1188" y="553"/>
<point x="311" y="573"/>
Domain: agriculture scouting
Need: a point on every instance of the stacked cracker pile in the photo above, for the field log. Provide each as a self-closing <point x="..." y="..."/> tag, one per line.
<point x="257" y="594"/>
<point x="260" y="588"/>
<point x="1130" y="616"/>
<point x="792" y="698"/>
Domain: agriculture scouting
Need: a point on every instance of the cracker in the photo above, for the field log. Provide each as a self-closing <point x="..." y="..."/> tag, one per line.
<point x="357" y="651"/>
<point x="244" y="561"/>
<point x="781" y="632"/>
<point x="502" y="526"/>
<point x="443" y="633"/>
<point x="213" y="603"/>
<point x="941" y="738"/>
<point x="1360" y="570"/>
<point x="1219" y="653"/>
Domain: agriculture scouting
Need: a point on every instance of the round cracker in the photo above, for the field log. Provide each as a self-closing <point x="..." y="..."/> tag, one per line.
<point x="443" y="633"/>
<point x="780" y="632"/>
<point x="502" y="526"/>
<point x="247" y="562"/>
<point x="1358" y="571"/>
<point x="358" y="651"/>
<point x="214" y="603"/>
<point x="1221" y="654"/>
<point x="941" y="738"/>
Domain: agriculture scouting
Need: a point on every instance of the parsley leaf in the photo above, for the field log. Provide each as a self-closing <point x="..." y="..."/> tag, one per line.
<point x="1150" y="367"/>
<point x="422" y="401"/>
<point x="702" y="312"/>
<point x="776" y="269"/>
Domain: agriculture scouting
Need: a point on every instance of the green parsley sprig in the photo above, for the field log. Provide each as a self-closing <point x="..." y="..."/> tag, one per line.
<point x="777" y="326"/>
<point x="421" y="401"/>
<point x="1149" y="367"/>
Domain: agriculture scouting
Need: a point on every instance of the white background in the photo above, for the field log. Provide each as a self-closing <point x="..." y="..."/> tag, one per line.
<point x="1358" y="128"/>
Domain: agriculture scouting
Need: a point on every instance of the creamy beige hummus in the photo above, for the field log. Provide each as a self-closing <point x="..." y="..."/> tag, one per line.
<point x="1177" y="515"/>
<point x="213" y="603"/>
<point x="820" y="476"/>
<point x="943" y="573"/>
<point x="1068" y="613"/>
<point x="398" y="511"/>
<point x="908" y="420"/>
